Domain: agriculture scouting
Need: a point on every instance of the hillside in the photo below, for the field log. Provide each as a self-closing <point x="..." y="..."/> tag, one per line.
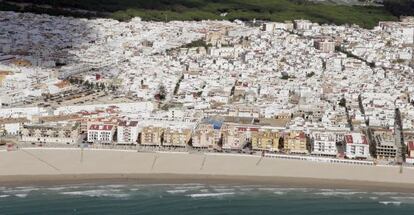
<point x="161" y="10"/>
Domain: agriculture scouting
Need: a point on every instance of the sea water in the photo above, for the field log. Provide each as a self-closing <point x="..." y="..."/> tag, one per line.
<point x="198" y="199"/>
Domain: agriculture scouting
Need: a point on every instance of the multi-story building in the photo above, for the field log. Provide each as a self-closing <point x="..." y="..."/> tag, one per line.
<point x="410" y="148"/>
<point x="324" y="143"/>
<point x="66" y="133"/>
<point x="101" y="133"/>
<point x="356" y="145"/>
<point x="325" y="45"/>
<point x="151" y="136"/>
<point x="127" y="132"/>
<point x="266" y="140"/>
<point x="385" y="142"/>
<point x="235" y="137"/>
<point x="302" y="24"/>
<point x="295" y="142"/>
<point x="176" y="137"/>
<point x="205" y="136"/>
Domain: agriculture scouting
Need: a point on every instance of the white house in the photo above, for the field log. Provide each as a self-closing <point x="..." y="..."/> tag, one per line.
<point x="356" y="146"/>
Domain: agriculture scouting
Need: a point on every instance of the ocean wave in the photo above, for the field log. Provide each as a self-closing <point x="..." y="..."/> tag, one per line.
<point x="197" y="187"/>
<point x="384" y="193"/>
<point x="404" y="199"/>
<point x="4" y="196"/>
<point x="56" y="188"/>
<point x="281" y="189"/>
<point x="246" y="189"/>
<point x="340" y="193"/>
<point x="209" y="195"/>
<point x="279" y="193"/>
<point x="62" y="188"/>
<point x="390" y="203"/>
<point x="326" y="190"/>
<point x="112" y="186"/>
<point x="270" y="189"/>
<point x="20" y="190"/>
<point x="176" y="191"/>
<point x="21" y="195"/>
<point x="170" y="185"/>
<point x="97" y="193"/>
<point x="223" y="190"/>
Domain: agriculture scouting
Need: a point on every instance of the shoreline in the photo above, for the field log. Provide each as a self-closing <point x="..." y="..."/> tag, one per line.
<point x="68" y="166"/>
<point x="285" y="182"/>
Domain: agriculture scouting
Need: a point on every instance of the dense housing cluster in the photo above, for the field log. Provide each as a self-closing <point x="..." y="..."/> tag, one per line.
<point x="293" y="87"/>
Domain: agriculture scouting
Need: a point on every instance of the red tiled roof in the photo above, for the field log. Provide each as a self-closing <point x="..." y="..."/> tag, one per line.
<point x="411" y="145"/>
<point x="101" y="127"/>
<point x="349" y="139"/>
<point x="364" y="140"/>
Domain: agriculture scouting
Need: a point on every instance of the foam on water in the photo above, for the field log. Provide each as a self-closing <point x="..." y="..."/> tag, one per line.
<point x="246" y="189"/>
<point x="4" y="196"/>
<point x="209" y="195"/>
<point x="281" y="189"/>
<point x="176" y="191"/>
<point x="339" y="193"/>
<point x="404" y="199"/>
<point x="384" y="193"/>
<point x="97" y="193"/>
<point x="395" y="203"/>
<point x="56" y="188"/>
<point x="223" y="189"/>
<point x="20" y="190"/>
<point x="21" y="195"/>
<point x="196" y="187"/>
<point x="279" y="193"/>
<point x="112" y="186"/>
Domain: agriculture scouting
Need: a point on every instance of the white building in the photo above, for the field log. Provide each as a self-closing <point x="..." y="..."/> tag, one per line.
<point x="302" y="24"/>
<point x="408" y="35"/>
<point x="101" y="133"/>
<point x="57" y="133"/>
<point x="12" y="128"/>
<point x="324" y="143"/>
<point x="356" y="146"/>
<point x="127" y="132"/>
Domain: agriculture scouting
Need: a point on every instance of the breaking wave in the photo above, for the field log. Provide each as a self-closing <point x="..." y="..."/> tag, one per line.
<point x="390" y="203"/>
<point x="21" y="195"/>
<point x="339" y="193"/>
<point x="176" y="191"/>
<point x="97" y="193"/>
<point x="209" y="195"/>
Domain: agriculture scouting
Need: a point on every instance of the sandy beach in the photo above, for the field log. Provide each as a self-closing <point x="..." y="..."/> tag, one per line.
<point x="63" y="166"/>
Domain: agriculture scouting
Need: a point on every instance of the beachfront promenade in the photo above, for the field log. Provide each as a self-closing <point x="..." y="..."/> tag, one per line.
<point x="33" y="164"/>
